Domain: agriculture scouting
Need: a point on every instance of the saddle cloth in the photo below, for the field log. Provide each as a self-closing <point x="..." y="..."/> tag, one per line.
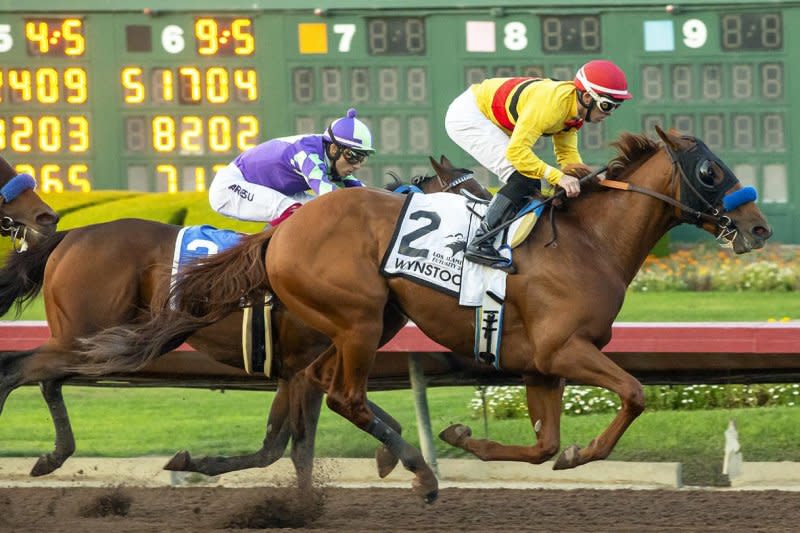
<point x="428" y="248"/>
<point x="194" y="242"/>
<point x="429" y="242"/>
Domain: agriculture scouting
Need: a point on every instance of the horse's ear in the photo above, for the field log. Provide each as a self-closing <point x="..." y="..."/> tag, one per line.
<point x="436" y="166"/>
<point x="446" y="162"/>
<point x="673" y="138"/>
<point x="670" y="138"/>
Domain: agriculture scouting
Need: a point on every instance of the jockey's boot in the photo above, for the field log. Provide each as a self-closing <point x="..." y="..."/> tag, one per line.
<point x="500" y="210"/>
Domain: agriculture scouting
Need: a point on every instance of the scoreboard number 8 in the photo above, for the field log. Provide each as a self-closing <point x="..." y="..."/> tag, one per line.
<point x="515" y="36"/>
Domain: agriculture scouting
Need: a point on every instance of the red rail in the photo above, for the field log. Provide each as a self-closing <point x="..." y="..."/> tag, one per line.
<point x="654" y="352"/>
<point x="689" y="337"/>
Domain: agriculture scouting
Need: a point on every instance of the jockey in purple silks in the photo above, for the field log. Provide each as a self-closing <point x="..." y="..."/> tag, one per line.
<point x="268" y="182"/>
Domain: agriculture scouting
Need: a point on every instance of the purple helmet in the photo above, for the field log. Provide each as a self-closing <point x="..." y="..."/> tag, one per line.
<point x="350" y="132"/>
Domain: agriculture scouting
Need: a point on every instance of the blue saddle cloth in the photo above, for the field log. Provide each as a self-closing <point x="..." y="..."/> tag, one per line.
<point x="201" y="241"/>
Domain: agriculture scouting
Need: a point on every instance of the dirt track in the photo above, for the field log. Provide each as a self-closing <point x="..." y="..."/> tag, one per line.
<point x="334" y="509"/>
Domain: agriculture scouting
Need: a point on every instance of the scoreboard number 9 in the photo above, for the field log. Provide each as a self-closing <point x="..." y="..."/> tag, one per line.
<point x="695" y="33"/>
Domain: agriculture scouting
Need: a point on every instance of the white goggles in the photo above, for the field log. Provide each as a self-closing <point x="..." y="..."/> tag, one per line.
<point x="604" y="103"/>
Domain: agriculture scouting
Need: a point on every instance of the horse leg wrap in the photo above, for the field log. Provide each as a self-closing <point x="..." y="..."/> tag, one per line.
<point x="407" y="454"/>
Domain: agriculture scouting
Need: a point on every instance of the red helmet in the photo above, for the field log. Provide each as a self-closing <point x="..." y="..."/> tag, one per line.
<point x="604" y="78"/>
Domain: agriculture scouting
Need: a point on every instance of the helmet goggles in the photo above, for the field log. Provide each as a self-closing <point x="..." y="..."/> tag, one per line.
<point x="353" y="157"/>
<point x="604" y="103"/>
<point x="604" y="81"/>
<point x="350" y="155"/>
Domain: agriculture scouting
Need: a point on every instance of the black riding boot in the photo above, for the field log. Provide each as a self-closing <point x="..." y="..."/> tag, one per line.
<point x="500" y="209"/>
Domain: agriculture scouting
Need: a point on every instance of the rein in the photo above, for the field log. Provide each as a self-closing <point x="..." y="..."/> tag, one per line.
<point x="530" y="207"/>
<point x="712" y="215"/>
<point x="693" y="213"/>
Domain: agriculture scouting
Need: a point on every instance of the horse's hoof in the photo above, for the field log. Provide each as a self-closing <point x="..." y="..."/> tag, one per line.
<point x="426" y="484"/>
<point x="386" y="460"/>
<point x="431" y="496"/>
<point x="456" y="434"/>
<point x="569" y="458"/>
<point x="45" y="465"/>
<point x="180" y="462"/>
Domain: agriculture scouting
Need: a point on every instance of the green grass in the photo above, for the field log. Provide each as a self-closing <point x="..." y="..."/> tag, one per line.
<point x="133" y="422"/>
<point x="662" y="307"/>
<point x="709" y="306"/>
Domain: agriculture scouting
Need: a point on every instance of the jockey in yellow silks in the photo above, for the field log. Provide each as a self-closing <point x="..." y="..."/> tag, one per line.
<point x="499" y="120"/>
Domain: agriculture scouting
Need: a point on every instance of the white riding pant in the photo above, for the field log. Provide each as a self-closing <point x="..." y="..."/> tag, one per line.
<point x="231" y="195"/>
<point x="477" y="135"/>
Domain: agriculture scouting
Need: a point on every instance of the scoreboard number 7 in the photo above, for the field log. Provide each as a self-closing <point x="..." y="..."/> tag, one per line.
<point x="347" y="31"/>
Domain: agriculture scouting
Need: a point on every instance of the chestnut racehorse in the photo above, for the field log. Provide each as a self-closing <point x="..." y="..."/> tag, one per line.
<point x="560" y="305"/>
<point x="109" y="274"/>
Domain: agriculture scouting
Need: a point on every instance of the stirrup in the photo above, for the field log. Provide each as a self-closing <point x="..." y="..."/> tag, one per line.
<point x="499" y="262"/>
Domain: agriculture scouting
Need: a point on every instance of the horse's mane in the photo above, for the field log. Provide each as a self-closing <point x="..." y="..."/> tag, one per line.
<point x="632" y="149"/>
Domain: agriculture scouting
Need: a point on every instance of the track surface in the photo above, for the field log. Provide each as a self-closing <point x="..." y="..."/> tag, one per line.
<point x="335" y="509"/>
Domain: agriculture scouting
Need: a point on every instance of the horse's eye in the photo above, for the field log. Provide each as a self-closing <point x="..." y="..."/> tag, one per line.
<point x="705" y="173"/>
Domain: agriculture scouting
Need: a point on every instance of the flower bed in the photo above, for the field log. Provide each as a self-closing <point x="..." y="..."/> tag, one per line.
<point x="509" y="402"/>
<point x="707" y="268"/>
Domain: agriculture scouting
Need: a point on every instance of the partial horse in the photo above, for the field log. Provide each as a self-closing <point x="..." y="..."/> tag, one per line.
<point x="108" y="274"/>
<point x="559" y="307"/>
<point x="24" y="217"/>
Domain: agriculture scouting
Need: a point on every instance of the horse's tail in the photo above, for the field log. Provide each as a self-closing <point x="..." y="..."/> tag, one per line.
<point x="203" y="294"/>
<point x="214" y="286"/>
<point x="22" y="276"/>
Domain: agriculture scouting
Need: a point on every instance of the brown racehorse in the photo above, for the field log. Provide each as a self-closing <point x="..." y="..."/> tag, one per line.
<point x="26" y="218"/>
<point x="109" y="274"/>
<point x="560" y="305"/>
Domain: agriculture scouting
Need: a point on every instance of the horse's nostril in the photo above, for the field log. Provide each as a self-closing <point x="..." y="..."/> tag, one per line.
<point x="47" y="219"/>
<point x="762" y="232"/>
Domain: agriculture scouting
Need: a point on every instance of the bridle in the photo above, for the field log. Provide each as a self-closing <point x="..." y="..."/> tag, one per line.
<point x="694" y="207"/>
<point x="17" y="231"/>
<point x="419" y="181"/>
<point x="8" y="226"/>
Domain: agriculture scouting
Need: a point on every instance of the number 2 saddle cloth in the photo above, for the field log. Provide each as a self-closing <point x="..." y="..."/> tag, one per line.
<point x="428" y="247"/>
